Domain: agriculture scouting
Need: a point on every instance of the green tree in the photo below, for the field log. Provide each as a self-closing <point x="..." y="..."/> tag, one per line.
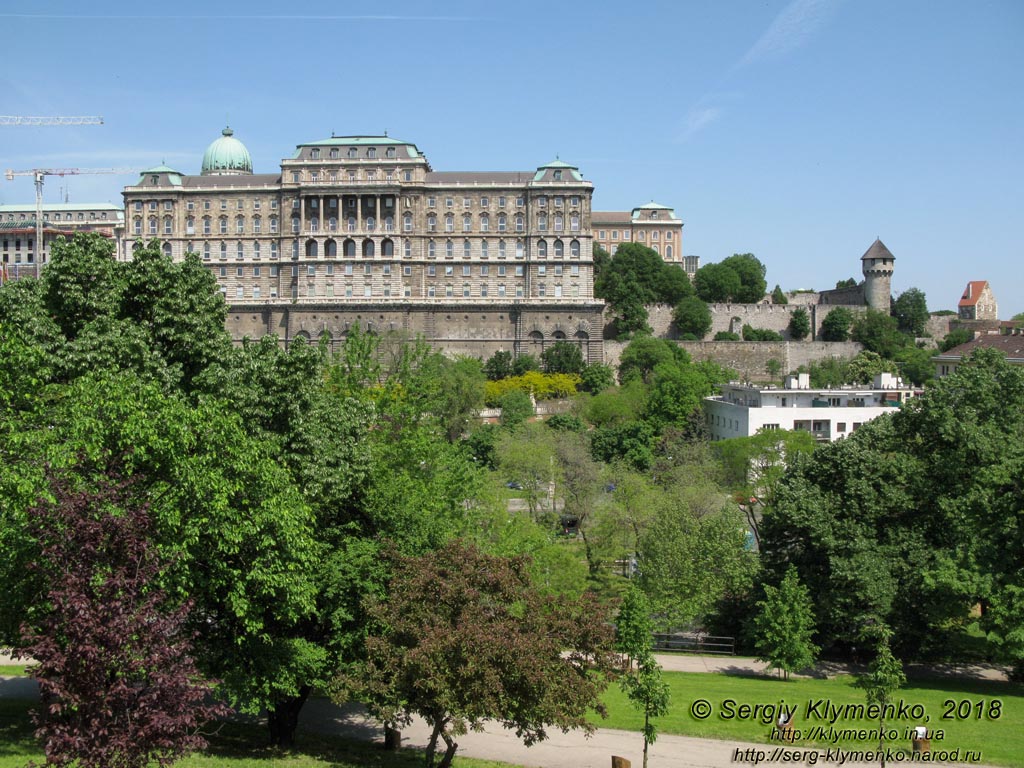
<point x="760" y="334"/>
<point x="596" y="378"/>
<point x="879" y="333"/>
<point x="836" y="325"/>
<point x="636" y="276"/>
<point x="516" y="407"/>
<point x="677" y="390"/>
<point x="778" y="296"/>
<point x="498" y="366"/>
<point x="799" y="324"/>
<point x="773" y="367"/>
<point x="692" y="316"/>
<point x="716" y="283"/>
<point x="527" y="457"/>
<point x="562" y="357"/>
<point x="643" y="686"/>
<point x="640" y="357"/>
<point x="524" y="364"/>
<point x="631" y="442"/>
<point x="784" y="626"/>
<point x="866" y="366"/>
<point x="911" y="312"/>
<point x="883" y="679"/>
<point x="751" y="273"/>
<point x="580" y="478"/>
<point x="463" y="637"/>
<point x="849" y="282"/>
<point x="955" y="338"/>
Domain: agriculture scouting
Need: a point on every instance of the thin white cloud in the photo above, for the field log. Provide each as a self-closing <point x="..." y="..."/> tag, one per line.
<point x="791" y="28"/>
<point x="698" y="118"/>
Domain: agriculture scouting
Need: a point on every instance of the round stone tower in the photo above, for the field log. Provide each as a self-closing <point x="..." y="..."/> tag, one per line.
<point x="226" y="156"/>
<point x="877" y="266"/>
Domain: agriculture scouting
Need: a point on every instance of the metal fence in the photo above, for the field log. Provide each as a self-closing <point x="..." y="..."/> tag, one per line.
<point x="695" y="643"/>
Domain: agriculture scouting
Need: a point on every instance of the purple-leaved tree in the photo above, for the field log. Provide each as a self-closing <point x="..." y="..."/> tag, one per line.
<point x="118" y="686"/>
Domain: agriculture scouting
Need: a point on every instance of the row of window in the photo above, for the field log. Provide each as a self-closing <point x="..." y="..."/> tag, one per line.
<point x="350" y="249"/>
<point x="557" y="201"/>
<point x="447" y="291"/>
<point x="353" y="152"/>
<point x="483" y="270"/>
<point x="370" y="174"/>
<point x="640" y="235"/>
<point x="80" y="216"/>
<point x="207" y="205"/>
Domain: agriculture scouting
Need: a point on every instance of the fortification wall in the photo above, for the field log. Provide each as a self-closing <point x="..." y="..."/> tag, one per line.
<point x="732" y="317"/>
<point x="750" y="358"/>
<point x="854" y="296"/>
<point x="457" y="329"/>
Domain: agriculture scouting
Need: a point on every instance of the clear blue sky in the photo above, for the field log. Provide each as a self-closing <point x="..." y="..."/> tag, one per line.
<point x="798" y="131"/>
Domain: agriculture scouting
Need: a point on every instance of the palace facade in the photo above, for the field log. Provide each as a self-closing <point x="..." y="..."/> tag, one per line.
<point x="361" y="230"/>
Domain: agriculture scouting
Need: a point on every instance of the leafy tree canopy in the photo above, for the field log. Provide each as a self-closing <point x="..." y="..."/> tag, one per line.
<point x="640" y="357"/>
<point x="799" y="324"/>
<point x="692" y="316"/>
<point x="463" y="637"/>
<point x="751" y="273"/>
<point x="836" y="325"/>
<point x="878" y="332"/>
<point x="562" y="357"/>
<point x="911" y="311"/>
<point x="778" y="296"/>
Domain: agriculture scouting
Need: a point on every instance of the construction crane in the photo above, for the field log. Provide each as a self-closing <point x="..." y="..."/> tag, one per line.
<point x="38" y="174"/>
<point x="21" y="120"/>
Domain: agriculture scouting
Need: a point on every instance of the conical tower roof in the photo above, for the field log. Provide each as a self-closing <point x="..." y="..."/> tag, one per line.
<point x="877" y="251"/>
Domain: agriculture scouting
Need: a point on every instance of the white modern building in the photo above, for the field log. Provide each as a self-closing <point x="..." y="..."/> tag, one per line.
<point x="744" y="409"/>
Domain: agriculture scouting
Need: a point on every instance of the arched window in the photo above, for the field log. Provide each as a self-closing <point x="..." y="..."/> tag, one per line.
<point x="559" y="222"/>
<point x="483" y="249"/>
<point x="330" y="249"/>
<point x="431" y="250"/>
<point x="542" y="249"/>
<point x="574" y="249"/>
<point x="273" y="223"/>
<point x="311" y="249"/>
<point x="351" y="223"/>
<point x="542" y="222"/>
<point x="152" y="225"/>
<point x="432" y="223"/>
<point x="502" y="222"/>
<point x="371" y="223"/>
<point x="190" y="225"/>
<point x="485" y="223"/>
<point x="368" y="248"/>
<point x="256" y="249"/>
<point x="167" y="250"/>
<point x="467" y="249"/>
<point x="668" y="251"/>
<point x="559" y="249"/>
<point x="314" y="224"/>
<point x="190" y="247"/>
<point x="449" y="223"/>
<point x="387" y="248"/>
<point x="407" y="223"/>
<point x="501" y="249"/>
<point x="407" y="248"/>
<point x="295" y="224"/>
<point x="449" y="249"/>
<point x="519" y="223"/>
<point x="223" y="250"/>
<point x="467" y="223"/>
<point x="257" y="224"/>
<point x="223" y="222"/>
<point x="239" y="225"/>
<point x="138" y="226"/>
<point x="239" y="250"/>
<point x="574" y="223"/>
<point x="349" y="248"/>
<point x="520" y="250"/>
<point x="389" y="223"/>
<point x="332" y="224"/>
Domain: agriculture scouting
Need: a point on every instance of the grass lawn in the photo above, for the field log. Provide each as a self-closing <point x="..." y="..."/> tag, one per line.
<point x="12" y="670"/>
<point x="1000" y="741"/>
<point x="233" y="747"/>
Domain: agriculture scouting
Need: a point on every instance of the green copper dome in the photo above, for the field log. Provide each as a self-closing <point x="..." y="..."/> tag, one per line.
<point x="226" y="156"/>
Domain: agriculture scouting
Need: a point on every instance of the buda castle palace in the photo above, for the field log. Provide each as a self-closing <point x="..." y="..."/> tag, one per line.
<point x="361" y="231"/>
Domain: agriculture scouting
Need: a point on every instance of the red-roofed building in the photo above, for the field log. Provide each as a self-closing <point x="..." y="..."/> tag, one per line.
<point x="978" y="303"/>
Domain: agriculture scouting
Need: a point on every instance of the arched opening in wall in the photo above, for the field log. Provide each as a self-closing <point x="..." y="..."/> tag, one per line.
<point x="330" y="249"/>
<point x="536" y="345"/>
<point x="583" y="339"/>
<point x="302" y="337"/>
<point x="368" y="249"/>
<point x="387" y="248"/>
<point x="558" y="336"/>
<point x="559" y="249"/>
<point x="736" y="325"/>
<point x="349" y="248"/>
<point x="312" y="249"/>
<point x="327" y="339"/>
<point x="167" y="250"/>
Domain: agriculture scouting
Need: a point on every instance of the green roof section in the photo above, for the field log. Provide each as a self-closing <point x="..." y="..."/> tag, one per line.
<point x="358" y="141"/>
<point x="161" y="169"/>
<point x="653" y="206"/>
<point x="557" y="165"/>
<point x="61" y="207"/>
<point x="226" y="155"/>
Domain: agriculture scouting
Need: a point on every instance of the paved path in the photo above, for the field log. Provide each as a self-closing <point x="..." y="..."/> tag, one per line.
<point x="574" y="749"/>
